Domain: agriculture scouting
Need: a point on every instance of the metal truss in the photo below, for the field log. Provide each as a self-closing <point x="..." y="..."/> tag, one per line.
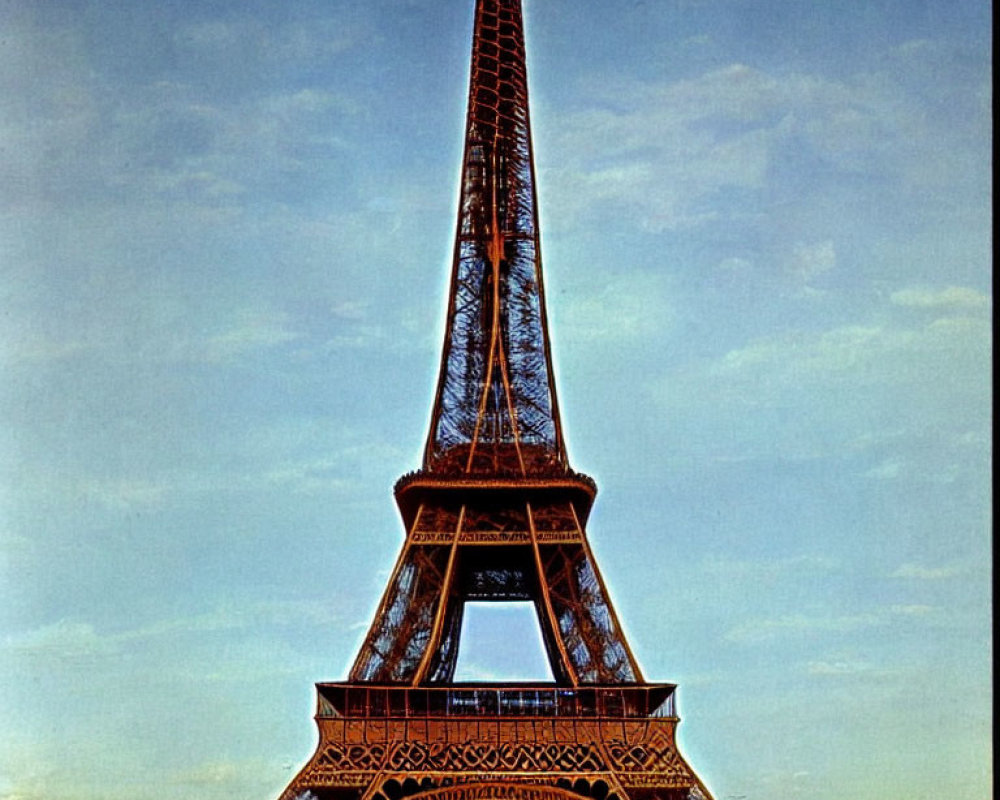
<point x="495" y="410"/>
<point x="495" y="548"/>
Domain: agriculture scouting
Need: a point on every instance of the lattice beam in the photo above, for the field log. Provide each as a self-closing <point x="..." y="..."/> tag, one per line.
<point x="495" y="410"/>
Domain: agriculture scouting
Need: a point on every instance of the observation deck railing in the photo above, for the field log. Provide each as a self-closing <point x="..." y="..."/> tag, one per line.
<point x="360" y="700"/>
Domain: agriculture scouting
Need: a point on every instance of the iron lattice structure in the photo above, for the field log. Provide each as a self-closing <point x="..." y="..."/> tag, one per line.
<point x="495" y="410"/>
<point x="496" y="514"/>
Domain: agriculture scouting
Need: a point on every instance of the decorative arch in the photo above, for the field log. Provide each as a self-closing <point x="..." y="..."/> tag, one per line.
<point x="581" y="789"/>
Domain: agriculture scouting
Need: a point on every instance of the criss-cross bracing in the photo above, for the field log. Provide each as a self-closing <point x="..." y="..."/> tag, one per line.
<point x="495" y="409"/>
<point x="497" y="540"/>
<point x="496" y="514"/>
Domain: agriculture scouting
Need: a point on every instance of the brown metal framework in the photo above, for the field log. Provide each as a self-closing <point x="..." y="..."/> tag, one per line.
<point x="495" y="410"/>
<point x="497" y="514"/>
<point x="496" y="540"/>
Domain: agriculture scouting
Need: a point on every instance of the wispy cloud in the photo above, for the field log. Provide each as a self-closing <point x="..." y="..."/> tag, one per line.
<point x="919" y="572"/>
<point x="949" y="297"/>
<point x="311" y="477"/>
<point x="124" y="335"/>
<point x="623" y="307"/>
<point x="21" y="346"/>
<point x="808" y="261"/>
<point x="765" y="630"/>
<point x="849" y="668"/>
<point x="209" y="773"/>
<point x="664" y="153"/>
<point x="253" y="331"/>
<point x="123" y="493"/>
<point x="769" y="569"/>
<point x="887" y="470"/>
<point x="282" y="41"/>
<point x="760" y="631"/>
<point x="162" y="137"/>
<point x="70" y="640"/>
<point x="848" y="384"/>
<point x="656" y="165"/>
<point x="912" y="610"/>
<point x="65" y="640"/>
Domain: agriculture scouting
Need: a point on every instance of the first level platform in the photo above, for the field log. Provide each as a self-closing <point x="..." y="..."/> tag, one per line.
<point x="387" y="742"/>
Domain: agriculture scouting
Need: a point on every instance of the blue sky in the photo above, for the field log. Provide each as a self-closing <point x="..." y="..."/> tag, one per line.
<point x="225" y="230"/>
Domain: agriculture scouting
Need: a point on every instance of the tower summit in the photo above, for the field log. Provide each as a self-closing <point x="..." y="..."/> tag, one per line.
<point x="496" y="514"/>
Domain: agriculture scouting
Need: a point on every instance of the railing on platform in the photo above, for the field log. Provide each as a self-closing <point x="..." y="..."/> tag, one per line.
<point x="611" y="702"/>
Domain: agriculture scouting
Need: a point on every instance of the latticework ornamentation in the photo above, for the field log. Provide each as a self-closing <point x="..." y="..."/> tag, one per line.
<point x="495" y="551"/>
<point x="495" y="410"/>
<point x="468" y="756"/>
<point x="402" y="750"/>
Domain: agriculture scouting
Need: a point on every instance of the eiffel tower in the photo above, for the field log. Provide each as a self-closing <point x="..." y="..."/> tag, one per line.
<point x="496" y="514"/>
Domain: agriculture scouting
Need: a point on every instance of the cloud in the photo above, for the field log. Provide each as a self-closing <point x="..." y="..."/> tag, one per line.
<point x="837" y="667"/>
<point x="161" y="136"/>
<point x="169" y="489"/>
<point x="319" y="476"/>
<point x="125" y="334"/>
<point x="646" y="155"/>
<point x="849" y="668"/>
<point x="274" y="41"/>
<point x="918" y="572"/>
<point x="738" y="140"/>
<point x="174" y="147"/>
<point x="65" y="640"/>
<point x="811" y="260"/>
<point x="912" y="610"/>
<point x="208" y="656"/>
<point x="809" y="393"/>
<point x="949" y="297"/>
<point x="735" y="265"/>
<point x="765" y="630"/>
<point x="759" y="631"/>
<point x="26" y="347"/>
<point x="253" y="331"/>
<point x="769" y="570"/>
<point x="354" y="310"/>
<point x="886" y="471"/>
<point x="123" y="494"/>
<point x="623" y="307"/>
<point x="212" y="772"/>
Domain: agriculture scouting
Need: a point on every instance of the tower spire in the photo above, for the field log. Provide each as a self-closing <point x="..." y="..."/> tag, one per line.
<point x="495" y="409"/>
